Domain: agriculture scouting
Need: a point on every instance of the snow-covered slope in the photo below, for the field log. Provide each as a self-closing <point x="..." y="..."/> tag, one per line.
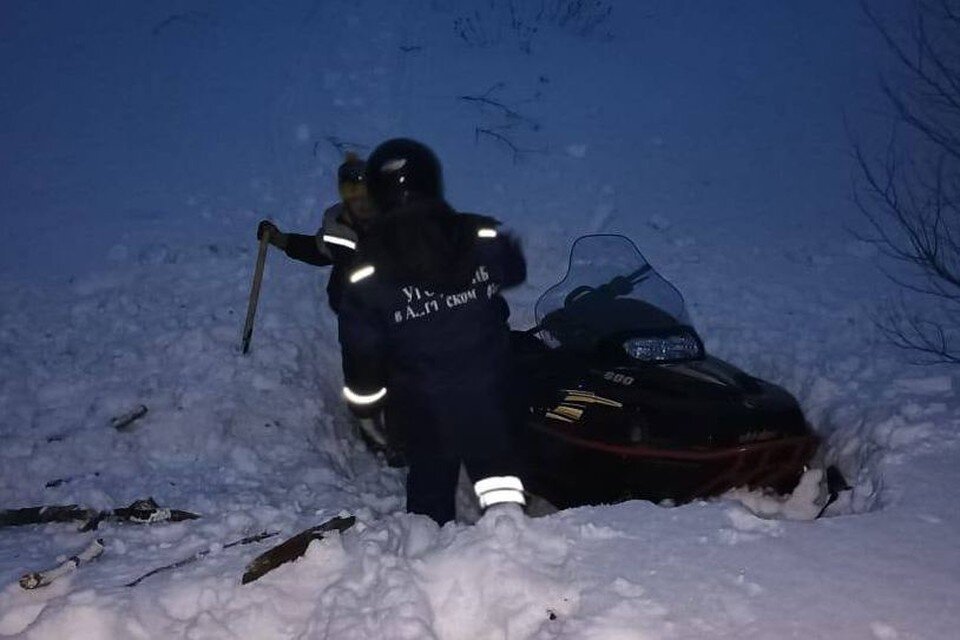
<point x="143" y="142"/>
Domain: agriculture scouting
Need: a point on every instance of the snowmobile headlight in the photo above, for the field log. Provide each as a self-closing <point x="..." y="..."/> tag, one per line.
<point x="673" y="348"/>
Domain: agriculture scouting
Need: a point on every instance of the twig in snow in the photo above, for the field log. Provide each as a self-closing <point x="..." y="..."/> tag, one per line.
<point x="121" y="422"/>
<point x="263" y="535"/>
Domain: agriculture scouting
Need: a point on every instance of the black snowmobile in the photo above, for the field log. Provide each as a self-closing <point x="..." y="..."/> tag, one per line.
<point x="625" y="403"/>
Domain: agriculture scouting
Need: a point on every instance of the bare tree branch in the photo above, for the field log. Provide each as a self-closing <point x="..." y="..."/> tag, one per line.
<point x="485" y="99"/>
<point x="910" y="196"/>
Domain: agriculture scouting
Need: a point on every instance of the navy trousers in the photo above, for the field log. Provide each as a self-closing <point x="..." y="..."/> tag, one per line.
<point x="469" y="424"/>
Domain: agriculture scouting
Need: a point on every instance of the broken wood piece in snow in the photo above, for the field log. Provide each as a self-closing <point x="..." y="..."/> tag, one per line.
<point x="121" y="422"/>
<point x="39" y="579"/>
<point x="43" y="515"/>
<point x="149" y="512"/>
<point x="139" y="512"/>
<point x="293" y="548"/>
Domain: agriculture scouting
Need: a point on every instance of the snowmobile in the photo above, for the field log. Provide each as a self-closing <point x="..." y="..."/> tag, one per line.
<point x="624" y="402"/>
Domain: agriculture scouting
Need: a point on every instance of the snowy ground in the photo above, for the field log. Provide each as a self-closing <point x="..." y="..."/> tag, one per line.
<point x="712" y="134"/>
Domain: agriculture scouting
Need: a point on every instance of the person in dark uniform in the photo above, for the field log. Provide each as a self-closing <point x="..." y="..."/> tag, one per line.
<point x="423" y="330"/>
<point x="334" y="244"/>
<point x="336" y="241"/>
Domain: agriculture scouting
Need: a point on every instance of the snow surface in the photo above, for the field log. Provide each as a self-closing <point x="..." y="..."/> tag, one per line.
<point x="142" y="142"/>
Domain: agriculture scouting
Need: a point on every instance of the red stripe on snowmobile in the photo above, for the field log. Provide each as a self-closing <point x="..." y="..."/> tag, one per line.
<point x="800" y="443"/>
<point x="761" y="464"/>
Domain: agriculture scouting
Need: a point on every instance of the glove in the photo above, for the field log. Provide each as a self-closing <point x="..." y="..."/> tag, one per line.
<point x="277" y="238"/>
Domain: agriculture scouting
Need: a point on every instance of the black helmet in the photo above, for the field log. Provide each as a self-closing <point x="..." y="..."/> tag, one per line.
<point x="401" y="171"/>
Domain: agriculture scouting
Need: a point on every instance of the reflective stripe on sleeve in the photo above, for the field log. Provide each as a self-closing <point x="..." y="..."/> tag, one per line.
<point x="343" y="242"/>
<point x="361" y="273"/>
<point x="486" y="232"/>
<point x="363" y="399"/>
<point x="499" y="489"/>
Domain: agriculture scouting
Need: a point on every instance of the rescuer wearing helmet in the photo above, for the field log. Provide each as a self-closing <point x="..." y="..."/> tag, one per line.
<point x="336" y="241"/>
<point x="424" y="333"/>
<point x="344" y="223"/>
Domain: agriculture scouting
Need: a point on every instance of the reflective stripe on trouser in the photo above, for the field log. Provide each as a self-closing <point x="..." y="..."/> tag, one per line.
<point x="464" y="424"/>
<point x="361" y="399"/>
<point x="499" y="489"/>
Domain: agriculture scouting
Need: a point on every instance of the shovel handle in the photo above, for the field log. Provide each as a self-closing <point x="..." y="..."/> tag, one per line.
<point x="255" y="292"/>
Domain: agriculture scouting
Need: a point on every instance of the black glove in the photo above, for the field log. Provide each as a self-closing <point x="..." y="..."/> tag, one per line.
<point x="277" y="238"/>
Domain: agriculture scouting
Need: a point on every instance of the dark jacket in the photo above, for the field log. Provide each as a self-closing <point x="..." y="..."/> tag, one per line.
<point x="334" y="244"/>
<point x="421" y="314"/>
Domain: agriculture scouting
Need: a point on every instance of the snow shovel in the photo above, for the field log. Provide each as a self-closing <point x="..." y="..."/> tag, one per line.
<point x="255" y="292"/>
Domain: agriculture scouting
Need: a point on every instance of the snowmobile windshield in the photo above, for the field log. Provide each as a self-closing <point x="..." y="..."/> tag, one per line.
<point x="611" y="292"/>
